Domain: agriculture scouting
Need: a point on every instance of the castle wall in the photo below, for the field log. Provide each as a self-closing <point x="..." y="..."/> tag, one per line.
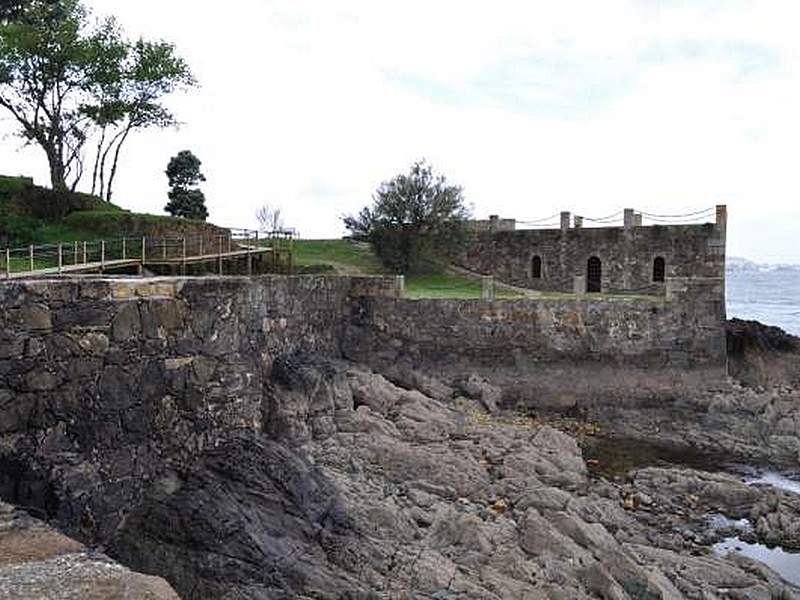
<point x="123" y="373"/>
<point x="626" y="254"/>
<point x="550" y="349"/>
<point x="126" y="372"/>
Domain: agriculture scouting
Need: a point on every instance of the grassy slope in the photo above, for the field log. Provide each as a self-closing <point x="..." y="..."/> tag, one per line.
<point x="346" y="256"/>
<point x="94" y="220"/>
<point x="340" y="254"/>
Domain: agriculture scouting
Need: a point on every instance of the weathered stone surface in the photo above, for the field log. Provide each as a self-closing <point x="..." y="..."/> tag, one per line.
<point x="469" y="507"/>
<point x="242" y="461"/>
<point x="38" y="563"/>
<point x="626" y="255"/>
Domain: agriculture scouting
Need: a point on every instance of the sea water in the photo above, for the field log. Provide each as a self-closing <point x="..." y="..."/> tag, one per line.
<point x="768" y="295"/>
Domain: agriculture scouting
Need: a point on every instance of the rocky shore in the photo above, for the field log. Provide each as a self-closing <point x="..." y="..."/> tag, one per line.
<point x="362" y="487"/>
<point x="369" y="490"/>
<point x="38" y="562"/>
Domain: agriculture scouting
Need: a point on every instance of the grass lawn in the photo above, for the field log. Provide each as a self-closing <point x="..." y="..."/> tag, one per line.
<point x="349" y="257"/>
<point x="342" y="254"/>
<point x="449" y="285"/>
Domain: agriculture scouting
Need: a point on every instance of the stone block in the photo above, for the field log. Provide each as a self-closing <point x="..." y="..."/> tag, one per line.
<point x="41" y="380"/>
<point x="35" y="317"/>
<point x="127" y="323"/>
<point x="94" y="343"/>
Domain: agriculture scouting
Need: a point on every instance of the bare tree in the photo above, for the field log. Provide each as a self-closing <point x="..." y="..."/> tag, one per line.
<point x="270" y="218"/>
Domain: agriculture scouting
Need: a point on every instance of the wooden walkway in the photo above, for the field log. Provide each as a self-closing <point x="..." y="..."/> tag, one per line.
<point x="75" y="258"/>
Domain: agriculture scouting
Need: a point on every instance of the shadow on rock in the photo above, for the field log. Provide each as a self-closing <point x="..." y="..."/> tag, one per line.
<point x="253" y="519"/>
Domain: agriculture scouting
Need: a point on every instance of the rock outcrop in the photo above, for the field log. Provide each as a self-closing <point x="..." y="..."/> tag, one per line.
<point x="760" y="355"/>
<point x="205" y="432"/>
<point x="37" y="562"/>
<point x="362" y="489"/>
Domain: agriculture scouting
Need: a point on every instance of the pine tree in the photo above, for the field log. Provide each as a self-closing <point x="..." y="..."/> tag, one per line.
<point x="185" y="198"/>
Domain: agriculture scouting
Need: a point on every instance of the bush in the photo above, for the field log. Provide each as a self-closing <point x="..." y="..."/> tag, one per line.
<point x="17" y="230"/>
<point x="118" y="223"/>
<point x="12" y="185"/>
<point x="415" y="218"/>
<point x="50" y="205"/>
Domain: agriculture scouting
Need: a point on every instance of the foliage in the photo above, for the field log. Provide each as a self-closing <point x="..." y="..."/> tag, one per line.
<point x="183" y="170"/>
<point x="115" y="223"/>
<point x="270" y="218"/>
<point x="185" y="199"/>
<point x="16" y="229"/>
<point x="11" y="10"/>
<point x="415" y="218"/>
<point x="129" y="99"/>
<point x="49" y="205"/>
<point x="65" y="78"/>
<point x="12" y="185"/>
<point x="189" y="204"/>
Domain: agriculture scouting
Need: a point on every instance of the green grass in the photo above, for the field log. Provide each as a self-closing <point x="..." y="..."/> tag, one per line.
<point x="12" y="185"/>
<point x="341" y="254"/>
<point x="347" y="256"/>
<point x="449" y="285"/>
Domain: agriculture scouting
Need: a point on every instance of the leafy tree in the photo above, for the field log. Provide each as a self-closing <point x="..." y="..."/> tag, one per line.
<point x="415" y="217"/>
<point x="65" y="78"/>
<point x="12" y="9"/>
<point x="185" y="198"/>
<point x="129" y="99"/>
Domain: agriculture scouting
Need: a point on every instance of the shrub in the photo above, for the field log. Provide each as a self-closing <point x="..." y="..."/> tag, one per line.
<point x="17" y="230"/>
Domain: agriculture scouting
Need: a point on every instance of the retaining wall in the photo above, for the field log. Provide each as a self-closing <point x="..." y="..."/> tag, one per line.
<point x="546" y="349"/>
<point x="126" y="372"/>
<point x="112" y="383"/>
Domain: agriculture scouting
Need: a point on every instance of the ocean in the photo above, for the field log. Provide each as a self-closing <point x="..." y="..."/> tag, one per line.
<point x="771" y="296"/>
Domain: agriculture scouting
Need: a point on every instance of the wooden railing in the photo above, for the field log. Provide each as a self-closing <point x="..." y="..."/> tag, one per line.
<point x="100" y="255"/>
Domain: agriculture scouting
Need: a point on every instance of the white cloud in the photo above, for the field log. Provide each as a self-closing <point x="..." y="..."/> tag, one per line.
<point x="532" y="107"/>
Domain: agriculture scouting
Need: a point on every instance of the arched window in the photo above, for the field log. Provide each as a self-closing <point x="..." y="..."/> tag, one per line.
<point x="594" y="276"/>
<point x="536" y="267"/>
<point x="659" y="269"/>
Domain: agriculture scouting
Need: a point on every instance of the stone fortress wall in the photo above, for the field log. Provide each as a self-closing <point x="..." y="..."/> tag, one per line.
<point x="130" y="371"/>
<point x="626" y="255"/>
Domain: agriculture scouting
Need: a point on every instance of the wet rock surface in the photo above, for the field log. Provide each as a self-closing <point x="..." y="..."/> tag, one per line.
<point x="376" y="491"/>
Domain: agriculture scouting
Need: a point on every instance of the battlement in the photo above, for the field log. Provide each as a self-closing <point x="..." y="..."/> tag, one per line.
<point x="631" y="258"/>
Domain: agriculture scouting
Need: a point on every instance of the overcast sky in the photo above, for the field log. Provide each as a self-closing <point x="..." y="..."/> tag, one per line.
<point x="533" y="107"/>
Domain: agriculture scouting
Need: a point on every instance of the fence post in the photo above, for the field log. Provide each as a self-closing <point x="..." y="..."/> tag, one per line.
<point x="200" y="246"/>
<point x="183" y="255"/>
<point x="60" y="258"/>
<point x="487" y="288"/>
<point x="123" y="249"/>
<point x="30" y="258"/>
<point x="75" y="252"/>
<point x="84" y="253"/>
<point x="144" y="244"/>
<point x="230" y="242"/>
<point x="102" y="254"/>
<point x="220" y="254"/>
<point x="8" y="263"/>
<point x="291" y="256"/>
<point x="164" y="248"/>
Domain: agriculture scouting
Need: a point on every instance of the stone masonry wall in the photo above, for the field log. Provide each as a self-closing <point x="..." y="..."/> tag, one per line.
<point x="130" y="376"/>
<point x="549" y="347"/>
<point x="108" y="387"/>
<point x="627" y="255"/>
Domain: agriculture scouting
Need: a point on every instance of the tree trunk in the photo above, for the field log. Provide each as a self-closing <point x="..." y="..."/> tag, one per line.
<point x="113" y="174"/>
<point x="58" y="179"/>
